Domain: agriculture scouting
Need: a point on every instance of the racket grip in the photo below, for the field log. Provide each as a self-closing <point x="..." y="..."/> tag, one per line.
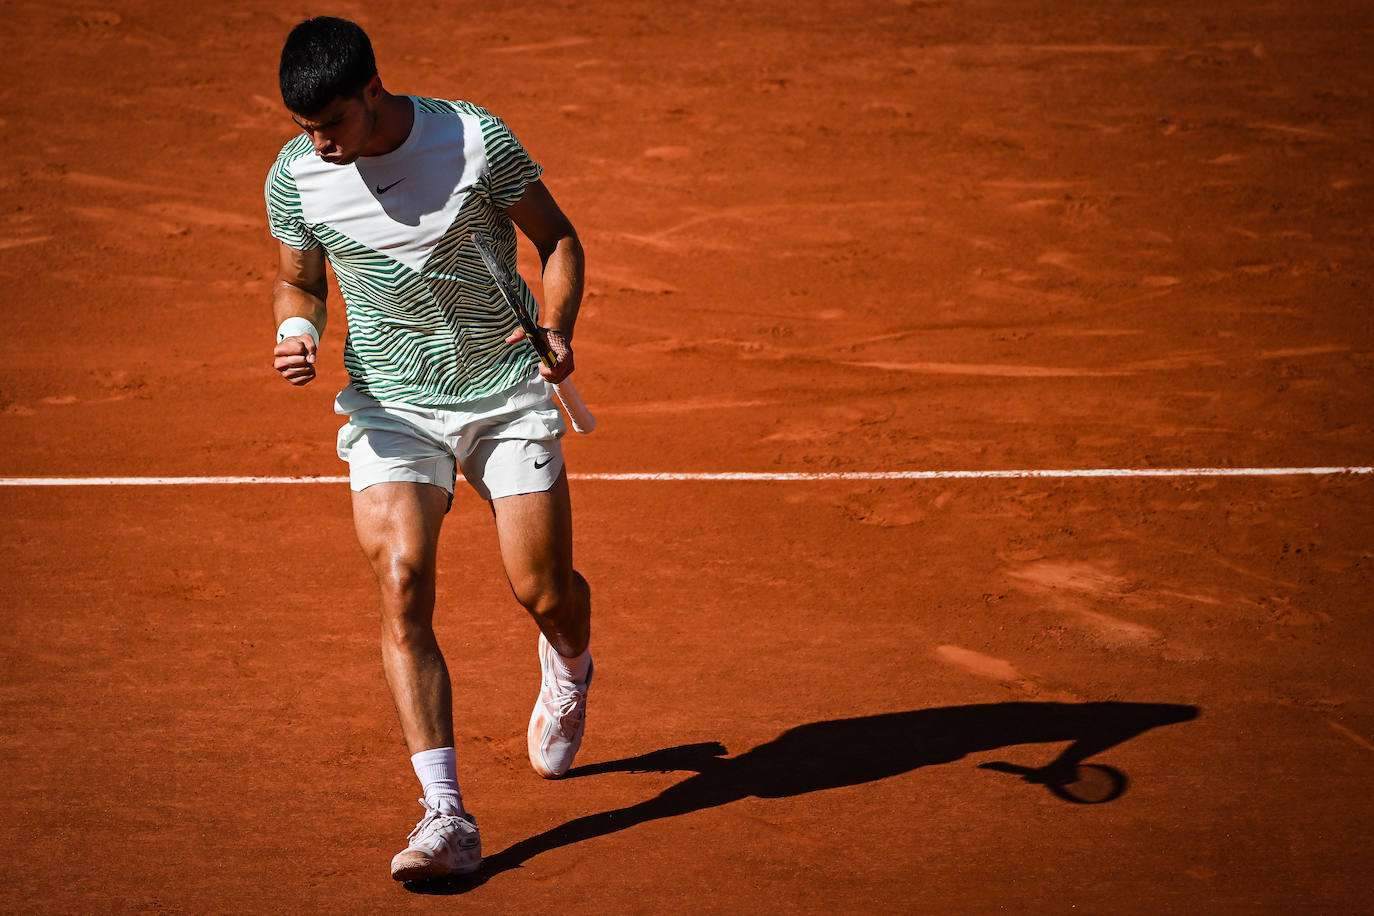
<point x="582" y="419"/>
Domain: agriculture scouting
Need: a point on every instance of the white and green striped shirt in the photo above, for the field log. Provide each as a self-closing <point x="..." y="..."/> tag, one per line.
<point x="426" y="324"/>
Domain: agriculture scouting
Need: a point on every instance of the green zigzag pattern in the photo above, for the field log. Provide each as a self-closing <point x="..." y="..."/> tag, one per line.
<point x="437" y="336"/>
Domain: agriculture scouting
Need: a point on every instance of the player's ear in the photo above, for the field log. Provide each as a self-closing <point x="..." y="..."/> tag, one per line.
<point x="373" y="90"/>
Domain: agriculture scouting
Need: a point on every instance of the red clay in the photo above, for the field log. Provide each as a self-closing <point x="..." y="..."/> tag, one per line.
<point x="877" y="236"/>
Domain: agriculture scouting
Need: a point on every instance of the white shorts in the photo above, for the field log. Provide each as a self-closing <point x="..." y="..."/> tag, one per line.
<point x="505" y="444"/>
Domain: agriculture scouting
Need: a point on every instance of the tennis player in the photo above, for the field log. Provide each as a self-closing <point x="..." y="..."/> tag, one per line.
<point x="386" y="188"/>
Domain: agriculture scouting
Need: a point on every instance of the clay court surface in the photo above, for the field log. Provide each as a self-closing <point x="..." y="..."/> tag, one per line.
<point x="851" y="237"/>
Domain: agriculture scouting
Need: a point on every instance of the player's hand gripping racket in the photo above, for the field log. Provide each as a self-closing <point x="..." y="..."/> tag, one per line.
<point x="582" y="419"/>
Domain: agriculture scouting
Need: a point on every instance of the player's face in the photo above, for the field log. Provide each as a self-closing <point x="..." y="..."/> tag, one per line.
<point x="341" y="132"/>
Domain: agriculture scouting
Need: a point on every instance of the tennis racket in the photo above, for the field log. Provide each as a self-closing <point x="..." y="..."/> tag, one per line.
<point x="582" y="419"/>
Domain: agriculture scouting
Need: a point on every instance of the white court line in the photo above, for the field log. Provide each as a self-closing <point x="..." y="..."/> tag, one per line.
<point x="730" y="475"/>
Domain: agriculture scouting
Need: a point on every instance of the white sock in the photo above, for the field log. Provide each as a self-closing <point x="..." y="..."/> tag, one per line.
<point x="573" y="670"/>
<point x="438" y="772"/>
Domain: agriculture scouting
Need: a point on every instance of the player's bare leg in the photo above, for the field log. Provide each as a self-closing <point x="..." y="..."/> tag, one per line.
<point x="398" y="527"/>
<point x="535" y="532"/>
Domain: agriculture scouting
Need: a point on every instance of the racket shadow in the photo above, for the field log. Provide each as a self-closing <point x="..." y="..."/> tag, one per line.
<point x="847" y="752"/>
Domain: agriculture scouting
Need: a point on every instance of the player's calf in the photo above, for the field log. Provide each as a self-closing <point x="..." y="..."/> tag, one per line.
<point x="561" y="610"/>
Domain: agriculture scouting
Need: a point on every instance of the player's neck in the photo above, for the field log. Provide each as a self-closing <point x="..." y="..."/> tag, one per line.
<point x="395" y="119"/>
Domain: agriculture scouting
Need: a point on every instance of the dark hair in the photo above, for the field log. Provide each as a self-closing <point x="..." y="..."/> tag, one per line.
<point x="324" y="58"/>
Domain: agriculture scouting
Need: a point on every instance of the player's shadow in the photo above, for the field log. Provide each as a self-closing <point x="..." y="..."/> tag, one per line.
<point x="847" y="752"/>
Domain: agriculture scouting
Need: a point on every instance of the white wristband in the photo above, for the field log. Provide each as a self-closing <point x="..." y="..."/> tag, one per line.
<point x="296" y="326"/>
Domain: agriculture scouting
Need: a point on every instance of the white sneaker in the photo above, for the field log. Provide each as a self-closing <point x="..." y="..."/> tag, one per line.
<point x="559" y="716"/>
<point x="441" y="844"/>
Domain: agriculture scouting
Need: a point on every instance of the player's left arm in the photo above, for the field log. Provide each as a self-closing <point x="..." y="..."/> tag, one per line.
<point x="538" y="216"/>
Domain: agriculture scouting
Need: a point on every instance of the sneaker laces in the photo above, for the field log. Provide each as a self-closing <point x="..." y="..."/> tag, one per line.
<point x="570" y="706"/>
<point x="433" y="821"/>
<point x="425" y="822"/>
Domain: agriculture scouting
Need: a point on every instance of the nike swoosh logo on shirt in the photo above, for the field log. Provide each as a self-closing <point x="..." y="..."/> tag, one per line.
<point x="537" y="465"/>
<point x="383" y="190"/>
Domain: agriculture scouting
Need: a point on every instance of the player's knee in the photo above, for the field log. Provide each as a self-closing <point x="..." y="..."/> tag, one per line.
<point x="408" y="630"/>
<point x="543" y="602"/>
<point x="406" y="590"/>
<point x="552" y="599"/>
<point x="401" y="580"/>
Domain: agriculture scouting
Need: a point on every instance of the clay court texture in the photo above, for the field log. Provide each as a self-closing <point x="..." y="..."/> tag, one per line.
<point x="825" y="241"/>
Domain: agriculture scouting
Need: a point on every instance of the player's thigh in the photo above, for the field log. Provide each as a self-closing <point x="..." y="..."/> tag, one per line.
<point x="535" y="533"/>
<point x="398" y="526"/>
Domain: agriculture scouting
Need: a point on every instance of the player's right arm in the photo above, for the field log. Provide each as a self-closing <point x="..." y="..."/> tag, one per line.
<point x="298" y="292"/>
